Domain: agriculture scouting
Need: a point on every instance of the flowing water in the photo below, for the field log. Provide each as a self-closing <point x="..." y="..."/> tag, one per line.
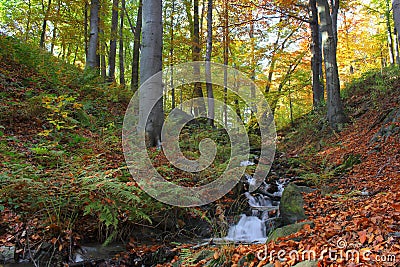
<point x="254" y="228"/>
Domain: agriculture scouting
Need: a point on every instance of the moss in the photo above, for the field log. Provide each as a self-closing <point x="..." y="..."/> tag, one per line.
<point x="291" y="205"/>
<point x="287" y="230"/>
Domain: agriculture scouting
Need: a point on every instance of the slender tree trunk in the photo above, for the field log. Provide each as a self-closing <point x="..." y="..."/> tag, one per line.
<point x="44" y="25"/>
<point x="91" y="61"/>
<point x="252" y="58"/>
<point x="389" y="33"/>
<point x="272" y="64"/>
<point x="121" y="46"/>
<point x="150" y="64"/>
<point x="199" y="105"/>
<point x="210" y="93"/>
<point x="317" y="88"/>
<point x="85" y="28"/>
<point x="53" y="39"/>
<point x="335" y="114"/>
<point x="171" y="54"/>
<point x="136" y="49"/>
<point x="28" y="21"/>
<point x="75" y="54"/>
<point x="226" y="60"/>
<point x="102" y="55"/>
<point x="113" y="42"/>
<point x="202" y="18"/>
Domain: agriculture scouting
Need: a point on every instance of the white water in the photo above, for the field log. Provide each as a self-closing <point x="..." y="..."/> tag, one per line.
<point x="248" y="229"/>
<point x="252" y="229"/>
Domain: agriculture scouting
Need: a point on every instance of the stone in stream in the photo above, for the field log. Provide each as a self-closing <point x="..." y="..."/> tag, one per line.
<point x="307" y="264"/>
<point x="287" y="230"/>
<point x="7" y="254"/>
<point x="291" y="206"/>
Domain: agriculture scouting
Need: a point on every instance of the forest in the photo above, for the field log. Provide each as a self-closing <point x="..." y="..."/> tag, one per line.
<point x="199" y="133"/>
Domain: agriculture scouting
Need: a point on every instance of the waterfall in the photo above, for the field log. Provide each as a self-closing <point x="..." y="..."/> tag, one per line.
<point x="253" y="229"/>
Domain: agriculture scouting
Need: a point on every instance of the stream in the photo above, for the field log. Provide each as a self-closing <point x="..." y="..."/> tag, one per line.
<point x="252" y="227"/>
<point x="264" y="209"/>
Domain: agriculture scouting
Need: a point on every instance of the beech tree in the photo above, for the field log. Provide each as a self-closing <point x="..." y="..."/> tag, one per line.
<point x="210" y="93"/>
<point x="150" y="64"/>
<point x="396" y="18"/>
<point x="136" y="48"/>
<point x="44" y="24"/>
<point x="199" y="105"/>
<point x="316" y="59"/>
<point x="335" y="113"/>
<point x="113" y="41"/>
<point x="121" y="46"/>
<point x="91" y="61"/>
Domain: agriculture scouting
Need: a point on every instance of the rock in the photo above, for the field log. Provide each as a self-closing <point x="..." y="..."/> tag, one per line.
<point x="7" y="254"/>
<point x="287" y="230"/>
<point x="307" y="264"/>
<point x="291" y="206"/>
<point x="389" y="126"/>
<point x="203" y="254"/>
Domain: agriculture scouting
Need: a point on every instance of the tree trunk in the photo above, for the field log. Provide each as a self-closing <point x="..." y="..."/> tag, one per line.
<point x="272" y="64"/>
<point x="252" y="59"/>
<point x="102" y="57"/>
<point x="389" y="33"/>
<point x="396" y="18"/>
<point x="53" y="39"/>
<point x="44" y="25"/>
<point x="121" y="46"/>
<point x="210" y="93"/>
<point x="136" y="49"/>
<point x="335" y="114"/>
<point x="113" y="42"/>
<point x="150" y="64"/>
<point x="199" y="105"/>
<point x="226" y="60"/>
<point x="335" y="12"/>
<point x="317" y="88"/>
<point x="85" y="28"/>
<point x="28" y="21"/>
<point x="91" y="60"/>
<point x="171" y="55"/>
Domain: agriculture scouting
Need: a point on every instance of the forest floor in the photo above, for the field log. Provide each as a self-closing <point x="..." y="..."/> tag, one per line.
<point x="63" y="179"/>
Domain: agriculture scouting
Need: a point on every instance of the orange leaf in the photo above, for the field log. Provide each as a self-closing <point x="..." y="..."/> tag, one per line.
<point x="379" y="238"/>
<point x="371" y="238"/>
<point x="363" y="236"/>
<point x="216" y="255"/>
<point x="396" y="206"/>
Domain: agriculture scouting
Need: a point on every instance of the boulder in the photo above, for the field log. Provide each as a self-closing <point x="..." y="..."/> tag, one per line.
<point x="287" y="230"/>
<point x="7" y="254"/>
<point x="291" y="205"/>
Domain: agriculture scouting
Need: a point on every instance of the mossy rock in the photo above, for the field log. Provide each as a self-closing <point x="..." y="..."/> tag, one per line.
<point x="291" y="206"/>
<point x="307" y="264"/>
<point x="204" y="254"/>
<point x="287" y="230"/>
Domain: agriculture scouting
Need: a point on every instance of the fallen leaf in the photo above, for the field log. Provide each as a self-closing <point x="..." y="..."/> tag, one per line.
<point x="363" y="236"/>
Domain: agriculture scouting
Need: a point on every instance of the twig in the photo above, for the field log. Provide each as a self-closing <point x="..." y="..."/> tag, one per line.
<point x="383" y="167"/>
<point x="29" y="250"/>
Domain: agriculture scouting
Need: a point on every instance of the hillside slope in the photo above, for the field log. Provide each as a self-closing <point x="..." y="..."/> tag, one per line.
<point x="355" y="210"/>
